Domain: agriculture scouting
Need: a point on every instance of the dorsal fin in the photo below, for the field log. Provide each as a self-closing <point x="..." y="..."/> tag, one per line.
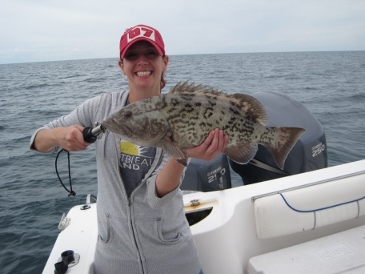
<point x="186" y="89"/>
<point x="242" y="102"/>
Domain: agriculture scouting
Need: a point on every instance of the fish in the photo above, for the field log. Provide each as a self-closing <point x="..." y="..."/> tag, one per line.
<point x="183" y="118"/>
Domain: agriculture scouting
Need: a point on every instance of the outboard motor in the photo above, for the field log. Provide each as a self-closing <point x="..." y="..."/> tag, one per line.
<point x="309" y="153"/>
<point x="207" y="176"/>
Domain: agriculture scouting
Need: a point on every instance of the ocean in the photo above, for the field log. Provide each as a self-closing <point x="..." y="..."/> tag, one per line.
<point x="330" y="84"/>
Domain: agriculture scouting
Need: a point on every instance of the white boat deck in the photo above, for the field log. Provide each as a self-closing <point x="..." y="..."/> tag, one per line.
<point x="248" y="221"/>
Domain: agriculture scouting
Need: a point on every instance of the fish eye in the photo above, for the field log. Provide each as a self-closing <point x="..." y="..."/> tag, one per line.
<point x="128" y="114"/>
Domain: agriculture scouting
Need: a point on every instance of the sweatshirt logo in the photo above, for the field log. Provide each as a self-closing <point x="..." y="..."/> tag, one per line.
<point x="134" y="156"/>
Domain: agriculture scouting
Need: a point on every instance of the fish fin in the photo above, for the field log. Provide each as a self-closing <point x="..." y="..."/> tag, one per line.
<point x="190" y="89"/>
<point x="187" y="89"/>
<point x="287" y="138"/>
<point x="182" y="162"/>
<point x="173" y="151"/>
<point x="241" y="153"/>
<point x="249" y="105"/>
<point x="243" y="102"/>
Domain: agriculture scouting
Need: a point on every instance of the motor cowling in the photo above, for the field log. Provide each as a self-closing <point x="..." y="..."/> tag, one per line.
<point x="207" y="176"/>
<point x="309" y="153"/>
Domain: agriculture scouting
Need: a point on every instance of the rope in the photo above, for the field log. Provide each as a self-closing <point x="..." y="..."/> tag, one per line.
<point x="71" y="192"/>
<point x="322" y="208"/>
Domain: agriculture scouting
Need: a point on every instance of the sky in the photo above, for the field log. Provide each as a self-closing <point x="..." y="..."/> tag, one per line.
<point x="50" y="30"/>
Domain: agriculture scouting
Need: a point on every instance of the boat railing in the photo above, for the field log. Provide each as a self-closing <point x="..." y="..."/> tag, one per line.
<point x="253" y="198"/>
<point x="310" y="206"/>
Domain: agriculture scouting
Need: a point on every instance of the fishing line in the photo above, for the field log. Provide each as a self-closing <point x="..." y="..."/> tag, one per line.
<point x="71" y="192"/>
<point x="90" y="135"/>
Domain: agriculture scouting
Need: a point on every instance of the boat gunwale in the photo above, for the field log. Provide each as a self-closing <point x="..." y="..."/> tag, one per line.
<point x="323" y="181"/>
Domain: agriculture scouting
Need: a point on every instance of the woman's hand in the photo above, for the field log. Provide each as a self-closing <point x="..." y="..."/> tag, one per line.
<point x="169" y="177"/>
<point x="69" y="138"/>
<point x="212" y="146"/>
<point x="72" y="138"/>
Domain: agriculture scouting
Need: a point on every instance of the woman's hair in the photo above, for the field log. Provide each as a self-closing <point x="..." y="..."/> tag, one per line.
<point x="163" y="81"/>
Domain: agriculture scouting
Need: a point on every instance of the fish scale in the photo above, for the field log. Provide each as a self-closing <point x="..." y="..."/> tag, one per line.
<point x="183" y="118"/>
<point x="188" y="126"/>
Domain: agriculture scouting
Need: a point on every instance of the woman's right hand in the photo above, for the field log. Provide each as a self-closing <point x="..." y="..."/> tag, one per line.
<point x="69" y="138"/>
<point x="72" y="139"/>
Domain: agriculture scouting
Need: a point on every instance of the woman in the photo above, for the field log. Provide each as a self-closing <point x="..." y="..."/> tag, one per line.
<point x="141" y="222"/>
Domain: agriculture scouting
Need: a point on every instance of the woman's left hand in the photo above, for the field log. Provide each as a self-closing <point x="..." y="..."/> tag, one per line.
<point x="212" y="146"/>
<point x="169" y="177"/>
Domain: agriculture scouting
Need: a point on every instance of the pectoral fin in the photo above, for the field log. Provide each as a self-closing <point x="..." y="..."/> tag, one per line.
<point x="173" y="151"/>
<point x="182" y="162"/>
<point x="241" y="153"/>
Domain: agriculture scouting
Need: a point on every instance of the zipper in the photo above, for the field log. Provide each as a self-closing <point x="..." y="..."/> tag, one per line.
<point x="135" y="240"/>
<point x="130" y="203"/>
<point x="129" y="199"/>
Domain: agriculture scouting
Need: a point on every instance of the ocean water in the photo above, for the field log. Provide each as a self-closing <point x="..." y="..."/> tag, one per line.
<point x="330" y="84"/>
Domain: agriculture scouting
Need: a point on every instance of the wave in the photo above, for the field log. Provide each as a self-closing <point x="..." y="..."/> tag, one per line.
<point x="37" y="93"/>
<point x="36" y="86"/>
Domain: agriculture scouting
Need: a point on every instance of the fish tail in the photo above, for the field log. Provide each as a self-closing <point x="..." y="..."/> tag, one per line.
<point x="284" y="140"/>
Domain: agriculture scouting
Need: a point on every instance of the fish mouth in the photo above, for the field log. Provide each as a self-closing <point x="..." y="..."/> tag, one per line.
<point x="117" y="127"/>
<point x="126" y="130"/>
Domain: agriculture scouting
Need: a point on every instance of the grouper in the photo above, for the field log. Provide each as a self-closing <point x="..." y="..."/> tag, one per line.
<point x="183" y="118"/>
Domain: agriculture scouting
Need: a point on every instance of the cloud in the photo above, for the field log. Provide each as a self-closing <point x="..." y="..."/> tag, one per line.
<point x="56" y="30"/>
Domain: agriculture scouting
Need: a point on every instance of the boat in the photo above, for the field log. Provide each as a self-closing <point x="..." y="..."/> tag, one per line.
<point x="312" y="222"/>
<point x="307" y="218"/>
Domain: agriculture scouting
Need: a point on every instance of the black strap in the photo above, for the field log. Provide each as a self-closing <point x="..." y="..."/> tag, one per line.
<point x="71" y="192"/>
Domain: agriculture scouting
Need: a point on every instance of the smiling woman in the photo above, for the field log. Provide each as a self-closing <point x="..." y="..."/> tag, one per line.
<point x="143" y="61"/>
<point x="143" y="67"/>
<point x="138" y="186"/>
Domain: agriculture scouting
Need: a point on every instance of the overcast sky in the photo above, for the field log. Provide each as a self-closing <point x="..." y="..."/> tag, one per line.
<point x="50" y="30"/>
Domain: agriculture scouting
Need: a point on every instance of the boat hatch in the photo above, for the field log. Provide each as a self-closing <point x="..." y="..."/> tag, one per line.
<point x="194" y="217"/>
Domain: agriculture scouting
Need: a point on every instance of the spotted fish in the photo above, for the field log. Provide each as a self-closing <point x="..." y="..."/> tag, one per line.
<point x="184" y="116"/>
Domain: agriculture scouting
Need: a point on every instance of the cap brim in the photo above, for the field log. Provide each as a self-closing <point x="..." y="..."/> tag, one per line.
<point x="159" y="50"/>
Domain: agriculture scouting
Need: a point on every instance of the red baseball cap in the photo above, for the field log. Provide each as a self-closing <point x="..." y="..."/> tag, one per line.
<point x="141" y="33"/>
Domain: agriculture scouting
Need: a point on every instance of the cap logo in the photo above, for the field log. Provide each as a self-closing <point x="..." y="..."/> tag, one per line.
<point x="138" y="32"/>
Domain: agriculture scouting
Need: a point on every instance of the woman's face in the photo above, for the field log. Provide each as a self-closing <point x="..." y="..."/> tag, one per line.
<point x="143" y="66"/>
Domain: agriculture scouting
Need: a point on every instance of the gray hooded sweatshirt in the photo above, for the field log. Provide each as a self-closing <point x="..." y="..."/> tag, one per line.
<point x="141" y="233"/>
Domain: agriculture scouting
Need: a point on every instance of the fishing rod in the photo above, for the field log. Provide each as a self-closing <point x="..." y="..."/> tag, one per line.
<point x="90" y="134"/>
